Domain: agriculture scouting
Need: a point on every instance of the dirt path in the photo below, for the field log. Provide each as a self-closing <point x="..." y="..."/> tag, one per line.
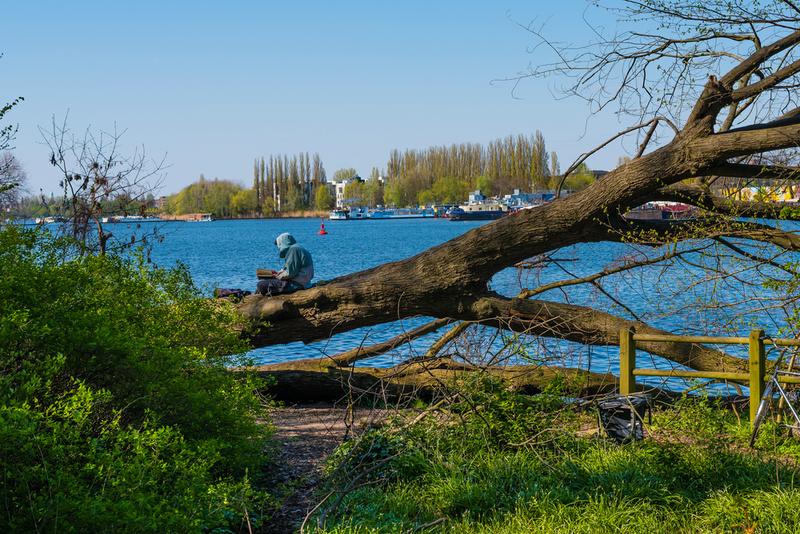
<point x="306" y="436"/>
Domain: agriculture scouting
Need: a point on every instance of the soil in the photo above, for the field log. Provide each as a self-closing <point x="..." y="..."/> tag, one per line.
<point x="306" y="435"/>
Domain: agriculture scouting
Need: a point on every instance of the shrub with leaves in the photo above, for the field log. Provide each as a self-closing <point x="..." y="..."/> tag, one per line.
<point x="496" y="461"/>
<point x="117" y="411"/>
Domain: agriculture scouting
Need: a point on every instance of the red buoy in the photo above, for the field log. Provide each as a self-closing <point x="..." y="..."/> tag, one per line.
<point x="322" y="230"/>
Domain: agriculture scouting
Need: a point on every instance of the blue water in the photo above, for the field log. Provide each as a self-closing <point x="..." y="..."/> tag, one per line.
<point x="227" y="253"/>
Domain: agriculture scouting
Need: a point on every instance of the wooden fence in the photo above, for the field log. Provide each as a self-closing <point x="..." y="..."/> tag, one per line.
<point x="754" y="379"/>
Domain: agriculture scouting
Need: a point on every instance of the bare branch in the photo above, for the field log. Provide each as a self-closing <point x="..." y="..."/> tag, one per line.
<point x="606" y="272"/>
<point x="349" y="357"/>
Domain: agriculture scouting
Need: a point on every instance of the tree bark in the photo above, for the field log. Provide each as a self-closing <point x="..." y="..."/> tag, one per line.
<point x="313" y="381"/>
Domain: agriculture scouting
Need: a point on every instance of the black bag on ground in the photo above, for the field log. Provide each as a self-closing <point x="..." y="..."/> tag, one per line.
<point x="622" y="417"/>
<point x="233" y="294"/>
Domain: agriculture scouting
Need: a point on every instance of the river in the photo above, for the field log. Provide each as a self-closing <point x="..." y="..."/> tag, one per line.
<point x="680" y="299"/>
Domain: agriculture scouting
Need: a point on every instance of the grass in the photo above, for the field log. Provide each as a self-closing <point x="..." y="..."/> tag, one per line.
<point x="470" y="472"/>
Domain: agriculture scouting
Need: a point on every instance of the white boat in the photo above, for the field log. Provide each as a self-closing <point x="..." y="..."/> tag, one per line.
<point x="48" y="220"/>
<point x="128" y="219"/>
<point x="355" y="213"/>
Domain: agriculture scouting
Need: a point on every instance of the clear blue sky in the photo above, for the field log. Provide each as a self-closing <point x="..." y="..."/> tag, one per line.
<point x="216" y="84"/>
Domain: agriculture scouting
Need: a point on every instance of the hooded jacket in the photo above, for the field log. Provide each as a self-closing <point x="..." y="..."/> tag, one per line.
<point x="298" y="266"/>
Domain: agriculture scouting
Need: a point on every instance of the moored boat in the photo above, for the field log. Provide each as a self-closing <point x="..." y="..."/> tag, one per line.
<point x="358" y="214"/>
<point x="483" y="211"/>
<point x="662" y="211"/>
<point x="401" y="213"/>
<point x="362" y="213"/>
<point x="48" y="220"/>
<point x="201" y="217"/>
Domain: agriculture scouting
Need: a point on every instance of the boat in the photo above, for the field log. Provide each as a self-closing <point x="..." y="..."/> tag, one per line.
<point x="350" y="214"/>
<point x="482" y="211"/>
<point x="401" y="213"/>
<point x="338" y="215"/>
<point x="358" y="214"/>
<point x="362" y="213"/>
<point x="129" y="219"/>
<point x="201" y="217"/>
<point x="662" y="211"/>
<point x="48" y="220"/>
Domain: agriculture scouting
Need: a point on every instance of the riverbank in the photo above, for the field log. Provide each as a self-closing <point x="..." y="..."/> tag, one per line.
<point x="513" y="465"/>
<point x="298" y="214"/>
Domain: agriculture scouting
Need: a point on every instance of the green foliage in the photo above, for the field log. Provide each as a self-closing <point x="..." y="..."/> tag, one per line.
<point x="394" y="194"/>
<point x="117" y="411"/>
<point x="702" y="418"/>
<point x="294" y="198"/>
<point x="323" y="200"/>
<point x="244" y="202"/>
<point x="514" y="162"/>
<point x="789" y="213"/>
<point x="368" y="193"/>
<point x="205" y="196"/>
<point x="500" y="462"/>
<point x="344" y="174"/>
<point x="492" y="416"/>
<point x="268" y="205"/>
<point x="445" y="190"/>
<point x="579" y="179"/>
<point x="373" y="192"/>
<point x="484" y="184"/>
<point x="354" y="193"/>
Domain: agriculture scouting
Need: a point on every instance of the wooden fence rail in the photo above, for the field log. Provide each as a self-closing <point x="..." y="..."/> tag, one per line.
<point x="754" y="379"/>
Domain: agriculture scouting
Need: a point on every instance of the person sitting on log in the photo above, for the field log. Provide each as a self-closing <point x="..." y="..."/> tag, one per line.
<point x="297" y="272"/>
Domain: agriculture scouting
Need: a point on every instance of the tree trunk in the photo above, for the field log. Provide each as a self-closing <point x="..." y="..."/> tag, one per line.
<point x="313" y="381"/>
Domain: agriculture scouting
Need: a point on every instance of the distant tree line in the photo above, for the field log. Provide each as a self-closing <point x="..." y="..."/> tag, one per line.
<point x="435" y="175"/>
<point x="223" y="198"/>
<point x="281" y="183"/>
<point x="41" y="205"/>
<point x="446" y="174"/>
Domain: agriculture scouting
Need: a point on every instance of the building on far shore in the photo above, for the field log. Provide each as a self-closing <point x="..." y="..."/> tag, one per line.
<point x="160" y="203"/>
<point x="338" y="189"/>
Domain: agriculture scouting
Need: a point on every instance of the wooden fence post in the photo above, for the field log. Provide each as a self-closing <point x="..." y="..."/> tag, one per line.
<point x="627" y="361"/>
<point x="757" y="363"/>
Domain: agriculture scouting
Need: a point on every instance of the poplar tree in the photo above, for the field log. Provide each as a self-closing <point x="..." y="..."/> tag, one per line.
<point x="257" y="182"/>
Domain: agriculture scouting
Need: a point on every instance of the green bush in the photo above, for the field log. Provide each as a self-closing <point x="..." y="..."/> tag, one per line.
<point x="117" y="411"/>
<point x="497" y="461"/>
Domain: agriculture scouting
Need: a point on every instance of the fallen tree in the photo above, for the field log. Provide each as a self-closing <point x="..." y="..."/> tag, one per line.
<point x="734" y="123"/>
